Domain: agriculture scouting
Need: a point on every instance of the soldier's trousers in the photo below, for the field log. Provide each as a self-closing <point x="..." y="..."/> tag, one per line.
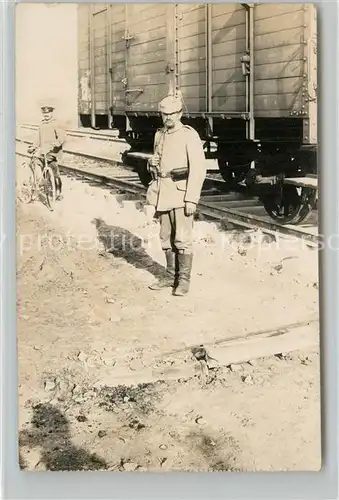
<point x="51" y="161"/>
<point x="176" y="230"/>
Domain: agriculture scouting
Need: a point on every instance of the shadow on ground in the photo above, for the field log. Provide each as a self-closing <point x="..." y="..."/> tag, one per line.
<point x="123" y="244"/>
<point x="50" y="432"/>
<point x="220" y="455"/>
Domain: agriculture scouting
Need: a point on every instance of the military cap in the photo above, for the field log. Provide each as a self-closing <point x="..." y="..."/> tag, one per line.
<point x="170" y="104"/>
<point x="47" y="104"/>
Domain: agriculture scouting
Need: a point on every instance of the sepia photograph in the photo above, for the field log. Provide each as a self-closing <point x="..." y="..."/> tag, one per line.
<point x="167" y="237"/>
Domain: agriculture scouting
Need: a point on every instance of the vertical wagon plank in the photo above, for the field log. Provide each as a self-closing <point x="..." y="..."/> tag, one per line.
<point x="229" y="44"/>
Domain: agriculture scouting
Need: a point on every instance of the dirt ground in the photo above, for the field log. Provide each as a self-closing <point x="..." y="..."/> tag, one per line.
<point x="89" y="327"/>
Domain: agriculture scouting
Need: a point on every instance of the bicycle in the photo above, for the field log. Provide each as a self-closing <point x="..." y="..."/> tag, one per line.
<point x="31" y="186"/>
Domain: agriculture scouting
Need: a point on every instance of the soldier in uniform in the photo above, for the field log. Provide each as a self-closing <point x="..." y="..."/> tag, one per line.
<point x="49" y="141"/>
<point x="178" y="170"/>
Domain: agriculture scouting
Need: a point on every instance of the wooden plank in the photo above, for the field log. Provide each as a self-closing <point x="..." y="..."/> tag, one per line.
<point x="223" y="50"/>
<point x="273" y="113"/>
<point x="195" y="105"/>
<point x="227" y="42"/>
<point x="100" y="20"/>
<point x="228" y="103"/>
<point x="100" y="87"/>
<point x="296" y="339"/>
<point x="278" y="86"/>
<point x="118" y="47"/>
<point x="101" y="107"/>
<point x="148" y="47"/>
<point x="227" y="353"/>
<point x="146" y="58"/>
<point x="100" y="60"/>
<point x="229" y="90"/>
<point x="194" y="91"/>
<point x="142" y="69"/>
<point x="277" y="55"/>
<point x="117" y="9"/>
<point x="191" y="67"/>
<point x="266" y="11"/>
<point x="219" y="63"/>
<point x="101" y="96"/>
<point x="262" y="88"/>
<point x="146" y="106"/>
<point x="118" y="57"/>
<point x="118" y="26"/>
<point x="151" y="34"/>
<point x="147" y="69"/>
<point x="101" y="78"/>
<point x="192" y="29"/>
<point x="99" y="33"/>
<point x="100" y="70"/>
<point x="278" y="23"/>
<point x="229" y="21"/>
<point x="117" y="38"/>
<point x="152" y="94"/>
<point x="186" y="8"/>
<point x="232" y="75"/>
<point x="279" y="70"/>
<point x="135" y="16"/>
<point x="192" y="54"/>
<point x="279" y="39"/>
<point x="192" y="17"/>
<point x="191" y="42"/>
<point x="145" y="80"/>
<point x="193" y="79"/>
<point x="149" y="24"/>
<point x="97" y="7"/>
<point x="286" y="102"/>
<point x="219" y="9"/>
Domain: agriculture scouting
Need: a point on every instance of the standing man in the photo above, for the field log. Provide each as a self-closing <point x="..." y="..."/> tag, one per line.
<point x="178" y="170"/>
<point x="49" y="141"/>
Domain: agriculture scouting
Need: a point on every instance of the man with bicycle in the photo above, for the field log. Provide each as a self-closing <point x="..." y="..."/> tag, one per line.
<point x="49" y="143"/>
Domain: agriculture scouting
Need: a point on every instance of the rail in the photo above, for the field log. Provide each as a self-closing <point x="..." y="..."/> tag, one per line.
<point x="208" y="207"/>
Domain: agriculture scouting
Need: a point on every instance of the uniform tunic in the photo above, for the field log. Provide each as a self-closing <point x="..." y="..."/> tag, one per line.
<point x="50" y="137"/>
<point x="177" y="148"/>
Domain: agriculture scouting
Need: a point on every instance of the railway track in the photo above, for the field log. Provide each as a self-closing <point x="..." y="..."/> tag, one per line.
<point x="236" y="209"/>
<point x="84" y="133"/>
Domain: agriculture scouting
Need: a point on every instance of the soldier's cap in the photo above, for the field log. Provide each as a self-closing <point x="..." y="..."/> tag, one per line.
<point x="170" y="104"/>
<point x="47" y="107"/>
<point x="47" y="103"/>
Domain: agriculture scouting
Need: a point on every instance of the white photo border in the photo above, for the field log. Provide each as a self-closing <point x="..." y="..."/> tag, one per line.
<point x="313" y="485"/>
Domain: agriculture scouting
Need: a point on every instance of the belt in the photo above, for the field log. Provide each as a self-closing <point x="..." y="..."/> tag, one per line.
<point x="176" y="175"/>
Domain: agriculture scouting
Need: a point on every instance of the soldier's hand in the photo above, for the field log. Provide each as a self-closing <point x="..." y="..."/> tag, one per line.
<point x="154" y="161"/>
<point x="190" y="208"/>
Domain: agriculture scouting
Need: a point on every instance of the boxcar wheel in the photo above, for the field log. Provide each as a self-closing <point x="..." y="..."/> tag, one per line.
<point x="289" y="206"/>
<point x="231" y="176"/>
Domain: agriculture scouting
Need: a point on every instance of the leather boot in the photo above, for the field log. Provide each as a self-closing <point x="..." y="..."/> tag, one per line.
<point x="185" y="267"/>
<point x="58" y="187"/>
<point x="167" y="280"/>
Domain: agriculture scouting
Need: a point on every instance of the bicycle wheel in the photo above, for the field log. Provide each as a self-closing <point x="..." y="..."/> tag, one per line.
<point x="49" y="186"/>
<point x="25" y="183"/>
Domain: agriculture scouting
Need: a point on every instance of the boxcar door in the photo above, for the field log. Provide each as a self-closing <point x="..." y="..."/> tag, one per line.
<point x="229" y="46"/>
<point x="145" y="56"/>
<point x="212" y="40"/>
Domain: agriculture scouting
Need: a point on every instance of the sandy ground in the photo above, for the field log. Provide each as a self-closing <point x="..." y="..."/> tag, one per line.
<point x="88" y="325"/>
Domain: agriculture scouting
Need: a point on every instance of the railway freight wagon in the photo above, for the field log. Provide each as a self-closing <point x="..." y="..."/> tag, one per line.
<point x="246" y="75"/>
